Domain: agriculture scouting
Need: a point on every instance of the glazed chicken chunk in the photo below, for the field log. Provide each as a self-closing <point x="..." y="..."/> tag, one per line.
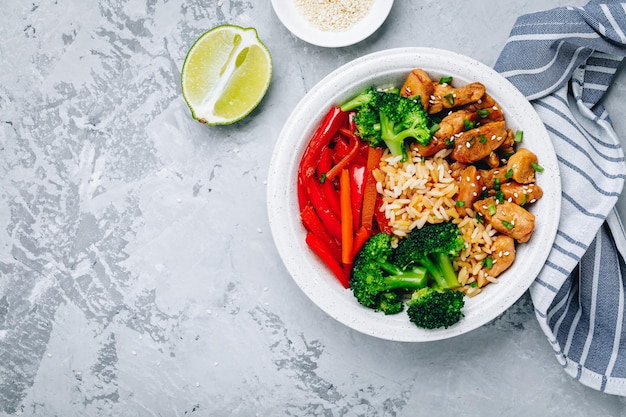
<point x="503" y="255"/>
<point x="418" y="84"/>
<point x="476" y="144"/>
<point x="521" y="165"/>
<point x="508" y="218"/>
<point x="446" y="97"/>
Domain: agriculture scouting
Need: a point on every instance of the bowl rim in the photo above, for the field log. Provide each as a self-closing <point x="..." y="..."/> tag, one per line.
<point x="392" y="66"/>
<point x="298" y="25"/>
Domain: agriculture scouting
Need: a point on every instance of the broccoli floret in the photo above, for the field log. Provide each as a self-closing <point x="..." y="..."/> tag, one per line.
<point x="376" y="282"/>
<point x="432" y="247"/>
<point x="366" y="98"/>
<point x="402" y="118"/>
<point x="367" y="121"/>
<point x="367" y="116"/>
<point x="386" y="117"/>
<point x="430" y="308"/>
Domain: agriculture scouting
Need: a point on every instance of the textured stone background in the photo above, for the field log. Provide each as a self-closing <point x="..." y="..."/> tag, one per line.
<point x="138" y="276"/>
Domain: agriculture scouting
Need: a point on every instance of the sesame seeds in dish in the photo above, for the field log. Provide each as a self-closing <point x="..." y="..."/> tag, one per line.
<point x="332" y="23"/>
<point x="334" y="15"/>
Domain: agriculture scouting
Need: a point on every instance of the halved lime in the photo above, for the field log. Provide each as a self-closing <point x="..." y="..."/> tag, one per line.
<point x="226" y="74"/>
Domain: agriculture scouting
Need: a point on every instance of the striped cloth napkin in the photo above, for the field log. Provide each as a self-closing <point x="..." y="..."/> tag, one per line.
<point x="563" y="61"/>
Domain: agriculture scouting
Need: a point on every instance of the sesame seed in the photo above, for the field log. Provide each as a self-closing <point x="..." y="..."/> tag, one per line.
<point x="334" y="15"/>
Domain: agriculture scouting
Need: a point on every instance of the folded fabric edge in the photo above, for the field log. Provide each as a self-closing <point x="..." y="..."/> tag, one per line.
<point x="591" y="379"/>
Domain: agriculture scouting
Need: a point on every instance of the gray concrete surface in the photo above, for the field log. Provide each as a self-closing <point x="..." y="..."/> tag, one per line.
<point x="138" y="275"/>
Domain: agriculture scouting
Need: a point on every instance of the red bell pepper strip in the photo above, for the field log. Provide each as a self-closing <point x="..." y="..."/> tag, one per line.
<point x="320" y="249"/>
<point x="320" y="204"/>
<point x="369" y="192"/>
<point x="357" y="184"/>
<point x="355" y="145"/>
<point x="327" y="187"/>
<point x="341" y="148"/>
<point x="381" y="219"/>
<point x="325" y="162"/>
<point x="326" y="130"/>
<point x="346" y="217"/>
<point x="351" y="124"/>
<point x="313" y="224"/>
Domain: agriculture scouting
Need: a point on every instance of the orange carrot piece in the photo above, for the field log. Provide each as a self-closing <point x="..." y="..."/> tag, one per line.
<point x="369" y="192"/>
<point x="347" y="236"/>
<point x="360" y="237"/>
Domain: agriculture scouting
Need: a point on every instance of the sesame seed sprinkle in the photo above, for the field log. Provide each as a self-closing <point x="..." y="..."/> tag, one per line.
<point x="333" y="15"/>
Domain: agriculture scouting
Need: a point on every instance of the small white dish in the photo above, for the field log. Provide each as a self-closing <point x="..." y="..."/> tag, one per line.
<point x="386" y="68"/>
<point x="294" y="20"/>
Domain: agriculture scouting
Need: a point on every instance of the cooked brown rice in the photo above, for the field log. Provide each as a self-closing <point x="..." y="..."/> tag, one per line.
<point x="422" y="190"/>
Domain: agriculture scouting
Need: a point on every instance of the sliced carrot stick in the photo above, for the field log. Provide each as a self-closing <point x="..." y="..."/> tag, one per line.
<point x="369" y="191"/>
<point x="360" y="237"/>
<point x="347" y="236"/>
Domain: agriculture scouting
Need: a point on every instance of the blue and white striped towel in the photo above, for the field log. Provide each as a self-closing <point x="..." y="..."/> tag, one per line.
<point x="563" y="61"/>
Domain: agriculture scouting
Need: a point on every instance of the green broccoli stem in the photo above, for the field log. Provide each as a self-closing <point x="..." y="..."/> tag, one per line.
<point x="440" y="268"/>
<point x="395" y="146"/>
<point x="413" y="278"/>
<point x="352" y="104"/>
<point x="447" y="270"/>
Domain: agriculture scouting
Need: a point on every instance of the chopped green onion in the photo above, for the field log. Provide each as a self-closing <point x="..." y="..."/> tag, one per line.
<point x="536" y="167"/>
<point x="322" y="178"/>
<point x="507" y="224"/>
<point x="492" y="209"/>
<point x="525" y="200"/>
<point x="499" y="196"/>
<point x="468" y="124"/>
<point x="488" y="262"/>
<point x="483" y="113"/>
<point x="450" y="99"/>
<point x="450" y="142"/>
<point x="483" y="139"/>
<point x="434" y="128"/>
<point x="473" y="284"/>
<point x="496" y="184"/>
<point x="479" y="218"/>
<point x="445" y="80"/>
<point x="508" y="174"/>
<point x="519" y="136"/>
<point x="460" y="203"/>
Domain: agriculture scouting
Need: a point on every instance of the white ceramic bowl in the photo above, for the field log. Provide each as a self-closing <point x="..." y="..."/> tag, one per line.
<point x="296" y="23"/>
<point x="385" y="68"/>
